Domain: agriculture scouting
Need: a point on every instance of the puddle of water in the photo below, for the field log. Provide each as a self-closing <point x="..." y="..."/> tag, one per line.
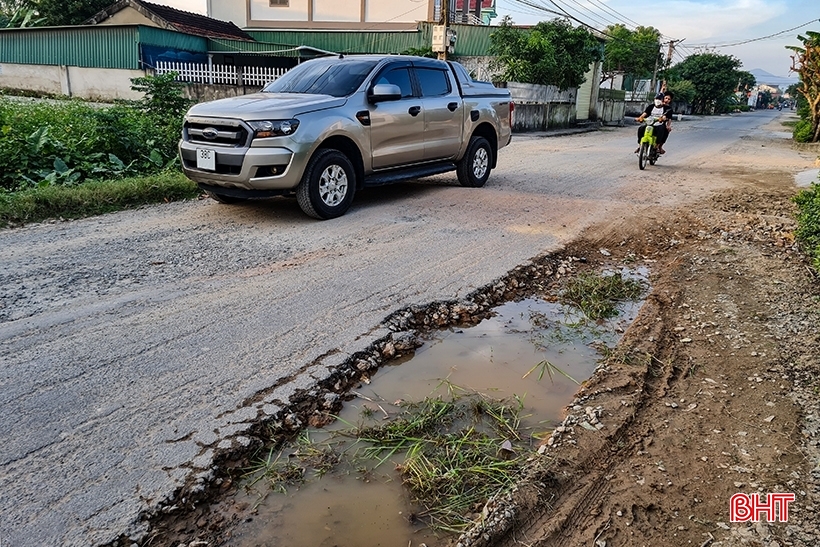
<point x="805" y="178"/>
<point x="493" y="358"/>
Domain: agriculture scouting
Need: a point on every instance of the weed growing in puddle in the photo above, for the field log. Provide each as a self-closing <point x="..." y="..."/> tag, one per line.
<point x="451" y="454"/>
<point x="288" y="465"/>
<point x="457" y="454"/>
<point x="550" y="369"/>
<point x="598" y="296"/>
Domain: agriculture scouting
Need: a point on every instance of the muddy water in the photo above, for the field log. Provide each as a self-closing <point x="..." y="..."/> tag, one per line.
<point x="347" y="508"/>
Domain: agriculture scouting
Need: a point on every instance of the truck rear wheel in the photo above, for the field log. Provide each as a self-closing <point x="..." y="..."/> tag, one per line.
<point x="328" y="185"/>
<point x="474" y="168"/>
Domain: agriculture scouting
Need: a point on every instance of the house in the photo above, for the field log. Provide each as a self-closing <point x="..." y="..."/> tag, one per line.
<point x="346" y="15"/>
<point x="139" y="12"/>
<point x="250" y="47"/>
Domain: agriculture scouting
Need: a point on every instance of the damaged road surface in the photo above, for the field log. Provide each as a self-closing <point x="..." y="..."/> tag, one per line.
<point x="141" y="349"/>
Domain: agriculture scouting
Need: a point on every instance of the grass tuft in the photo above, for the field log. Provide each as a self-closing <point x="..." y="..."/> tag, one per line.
<point x="456" y="454"/>
<point x="93" y="198"/>
<point x="598" y="296"/>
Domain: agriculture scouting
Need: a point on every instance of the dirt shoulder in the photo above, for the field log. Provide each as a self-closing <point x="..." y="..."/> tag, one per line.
<point x="713" y="391"/>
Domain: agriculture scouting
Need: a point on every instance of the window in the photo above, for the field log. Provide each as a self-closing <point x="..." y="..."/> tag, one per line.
<point x="279" y="3"/>
<point x="399" y="77"/>
<point x="433" y="82"/>
<point x="330" y="76"/>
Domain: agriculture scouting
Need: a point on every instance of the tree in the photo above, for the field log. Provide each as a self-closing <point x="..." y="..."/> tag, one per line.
<point x="550" y="53"/>
<point x="631" y="52"/>
<point x="806" y="62"/>
<point x="18" y="13"/>
<point x="714" y="76"/>
<point x="68" y="12"/>
<point x="683" y="90"/>
<point x="745" y="81"/>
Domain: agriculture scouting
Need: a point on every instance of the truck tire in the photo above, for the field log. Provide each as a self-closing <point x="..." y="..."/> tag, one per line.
<point x="474" y="168"/>
<point x="328" y="185"/>
<point x="221" y="198"/>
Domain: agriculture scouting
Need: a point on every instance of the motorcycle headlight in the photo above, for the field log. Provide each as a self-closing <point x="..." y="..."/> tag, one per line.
<point x="273" y="128"/>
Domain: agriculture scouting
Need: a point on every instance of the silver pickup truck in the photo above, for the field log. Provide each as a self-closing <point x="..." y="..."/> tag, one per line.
<point x="334" y="125"/>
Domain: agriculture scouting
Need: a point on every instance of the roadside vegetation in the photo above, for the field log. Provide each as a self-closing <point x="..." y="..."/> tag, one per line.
<point x="808" y="222"/>
<point x="69" y="158"/>
<point x="806" y="63"/>
<point x="550" y="53"/>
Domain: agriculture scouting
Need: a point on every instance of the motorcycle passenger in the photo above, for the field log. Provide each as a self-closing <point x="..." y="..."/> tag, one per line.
<point x="661" y="109"/>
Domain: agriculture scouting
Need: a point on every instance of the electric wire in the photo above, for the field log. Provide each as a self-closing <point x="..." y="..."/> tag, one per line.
<point x="758" y="39"/>
<point x="598" y="19"/>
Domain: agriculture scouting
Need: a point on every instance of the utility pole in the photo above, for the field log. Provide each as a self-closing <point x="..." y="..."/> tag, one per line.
<point x="654" y="76"/>
<point x="445" y="20"/>
<point x="669" y="53"/>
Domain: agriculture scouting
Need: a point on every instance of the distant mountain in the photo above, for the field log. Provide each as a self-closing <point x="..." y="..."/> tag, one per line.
<point x="768" y="78"/>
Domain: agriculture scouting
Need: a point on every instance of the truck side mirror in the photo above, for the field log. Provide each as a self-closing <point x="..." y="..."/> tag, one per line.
<point x="384" y="92"/>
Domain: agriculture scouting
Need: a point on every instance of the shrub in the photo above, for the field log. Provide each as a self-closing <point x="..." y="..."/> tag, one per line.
<point x="808" y="222"/>
<point x="802" y="131"/>
<point x="45" y="143"/>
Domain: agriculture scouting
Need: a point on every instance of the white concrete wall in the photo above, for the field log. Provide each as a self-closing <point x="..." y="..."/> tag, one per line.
<point x="335" y="10"/>
<point x="324" y="11"/>
<point x="297" y="10"/>
<point x="88" y="83"/>
<point x="395" y="11"/>
<point x="228" y="10"/>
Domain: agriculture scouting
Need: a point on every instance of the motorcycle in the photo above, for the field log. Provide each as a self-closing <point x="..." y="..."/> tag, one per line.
<point x="648" y="151"/>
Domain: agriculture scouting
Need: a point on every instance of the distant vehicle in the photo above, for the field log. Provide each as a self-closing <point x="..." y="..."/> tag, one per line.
<point x="334" y="125"/>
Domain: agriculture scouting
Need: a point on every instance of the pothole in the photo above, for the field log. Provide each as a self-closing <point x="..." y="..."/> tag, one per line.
<point x="327" y="488"/>
<point x="508" y="340"/>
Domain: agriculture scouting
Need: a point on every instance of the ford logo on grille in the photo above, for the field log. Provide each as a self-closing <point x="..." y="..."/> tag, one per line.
<point x="210" y="133"/>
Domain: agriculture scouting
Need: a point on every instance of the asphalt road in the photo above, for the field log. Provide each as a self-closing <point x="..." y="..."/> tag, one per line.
<point x="135" y="345"/>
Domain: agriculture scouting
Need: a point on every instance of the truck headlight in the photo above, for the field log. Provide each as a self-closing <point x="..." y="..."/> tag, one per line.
<point x="273" y="128"/>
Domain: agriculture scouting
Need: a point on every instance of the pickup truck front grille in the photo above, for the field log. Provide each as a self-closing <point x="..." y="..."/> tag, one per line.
<point x="216" y="132"/>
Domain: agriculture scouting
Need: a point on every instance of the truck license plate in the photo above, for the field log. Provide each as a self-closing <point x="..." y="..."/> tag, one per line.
<point x="206" y="159"/>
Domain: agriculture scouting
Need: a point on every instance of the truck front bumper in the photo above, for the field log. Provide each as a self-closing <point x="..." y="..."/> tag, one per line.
<point x="254" y="168"/>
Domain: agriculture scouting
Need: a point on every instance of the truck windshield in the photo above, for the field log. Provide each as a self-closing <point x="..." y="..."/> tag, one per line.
<point x="338" y="78"/>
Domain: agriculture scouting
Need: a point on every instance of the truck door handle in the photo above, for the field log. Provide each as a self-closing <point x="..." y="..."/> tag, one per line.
<point x="452" y="107"/>
<point x="414" y="110"/>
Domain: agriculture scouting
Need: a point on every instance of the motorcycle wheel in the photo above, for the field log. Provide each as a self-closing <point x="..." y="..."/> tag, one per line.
<point x="643" y="156"/>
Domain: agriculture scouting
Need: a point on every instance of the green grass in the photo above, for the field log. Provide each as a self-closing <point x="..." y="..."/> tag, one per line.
<point x="452" y="455"/>
<point x="456" y="454"/>
<point x="598" y="296"/>
<point x="93" y="198"/>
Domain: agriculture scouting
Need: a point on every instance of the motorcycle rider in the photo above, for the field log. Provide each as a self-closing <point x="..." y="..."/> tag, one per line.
<point x="661" y="109"/>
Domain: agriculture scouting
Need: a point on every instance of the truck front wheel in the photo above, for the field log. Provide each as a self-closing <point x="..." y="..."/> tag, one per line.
<point x="474" y="168"/>
<point x="328" y="185"/>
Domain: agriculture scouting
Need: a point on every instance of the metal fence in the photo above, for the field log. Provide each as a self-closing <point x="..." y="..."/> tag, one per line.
<point x="220" y="74"/>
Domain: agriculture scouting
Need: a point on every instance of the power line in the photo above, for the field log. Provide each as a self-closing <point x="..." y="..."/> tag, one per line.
<point x="621" y="17"/>
<point x="758" y="39"/>
<point x="592" y="15"/>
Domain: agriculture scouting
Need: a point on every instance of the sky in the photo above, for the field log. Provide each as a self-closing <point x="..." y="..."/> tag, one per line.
<point x="696" y="26"/>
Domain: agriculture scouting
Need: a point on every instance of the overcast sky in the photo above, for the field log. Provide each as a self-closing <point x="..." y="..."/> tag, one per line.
<point x="695" y="24"/>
